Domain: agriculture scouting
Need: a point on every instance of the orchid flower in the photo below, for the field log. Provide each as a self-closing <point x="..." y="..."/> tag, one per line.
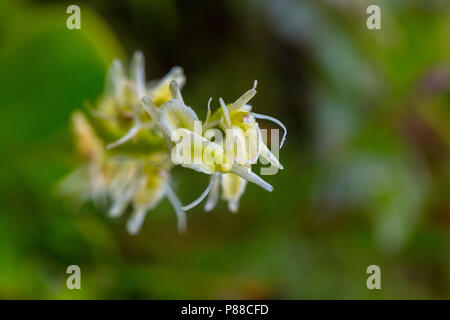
<point x="238" y="118"/>
<point x="143" y="186"/>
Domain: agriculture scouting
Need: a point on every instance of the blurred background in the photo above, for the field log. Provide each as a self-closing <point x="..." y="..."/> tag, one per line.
<point x="367" y="168"/>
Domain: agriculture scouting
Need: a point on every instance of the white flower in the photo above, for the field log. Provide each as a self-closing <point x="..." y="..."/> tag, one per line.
<point x="238" y="117"/>
<point x="143" y="186"/>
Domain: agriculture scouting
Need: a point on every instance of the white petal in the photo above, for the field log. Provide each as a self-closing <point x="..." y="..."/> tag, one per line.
<point x="203" y="195"/>
<point x="149" y="106"/>
<point x="152" y="196"/>
<point x="248" y="175"/>
<point x="245" y="98"/>
<point x="233" y="187"/>
<point x="115" y="78"/>
<point x="176" y="73"/>
<point x="98" y="184"/>
<point x="226" y="115"/>
<point x="254" y="154"/>
<point x="278" y="122"/>
<point x="137" y="67"/>
<point x="269" y="156"/>
<point x="213" y="196"/>
<point x="191" y="152"/>
<point x="150" y="192"/>
<point x="134" y="223"/>
<point x="174" y="114"/>
<point x="210" y="125"/>
<point x="122" y="187"/>
<point x="153" y="112"/>
<point x="208" y="114"/>
<point x="181" y="215"/>
<point x="175" y="91"/>
<point x="128" y="136"/>
<point x="233" y="205"/>
<point x="120" y="203"/>
<point x="239" y="146"/>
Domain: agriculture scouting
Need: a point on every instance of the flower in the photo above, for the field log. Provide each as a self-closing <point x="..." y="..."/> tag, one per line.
<point x="142" y="185"/>
<point x="120" y="105"/>
<point x="238" y="117"/>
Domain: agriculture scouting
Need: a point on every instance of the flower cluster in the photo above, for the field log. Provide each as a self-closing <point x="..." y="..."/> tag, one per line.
<point x="149" y="130"/>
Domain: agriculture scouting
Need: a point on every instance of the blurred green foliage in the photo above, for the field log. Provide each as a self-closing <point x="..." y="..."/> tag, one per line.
<point x="367" y="168"/>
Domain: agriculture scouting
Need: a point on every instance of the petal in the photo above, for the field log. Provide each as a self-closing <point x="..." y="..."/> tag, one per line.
<point x="149" y="194"/>
<point x="262" y="116"/>
<point x="204" y="194"/>
<point x="226" y="115"/>
<point x="137" y="69"/>
<point x="213" y="196"/>
<point x="208" y="114"/>
<point x="136" y="220"/>
<point x="233" y="205"/>
<point x="149" y="106"/>
<point x="174" y="114"/>
<point x="159" y="90"/>
<point x="254" y="141"/>
<point x="245" y="98"/>
<point x="176" y="73"/>
<point x="97" y="184"/>
<point x="181" y="215"/>
<point x="250" y="176"/>
<point x="269" y="156"/>
<point x="150" y="191"/>
<point x="121" y="202"/>
<point x="115" y="78"/>
<point x="175" y="91"/>
<point x="236" y="146"/>
<point x="233" y="187"/>
<point x="128" y="136"/>
<point x="122" y="186"/>
<point x="191" y="152"/>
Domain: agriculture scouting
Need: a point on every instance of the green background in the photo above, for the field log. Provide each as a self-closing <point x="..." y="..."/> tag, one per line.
<point x="367" y="168"/>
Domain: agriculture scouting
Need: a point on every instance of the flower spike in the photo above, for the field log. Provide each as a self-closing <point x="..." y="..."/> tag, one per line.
<point x="165" y="132"/>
